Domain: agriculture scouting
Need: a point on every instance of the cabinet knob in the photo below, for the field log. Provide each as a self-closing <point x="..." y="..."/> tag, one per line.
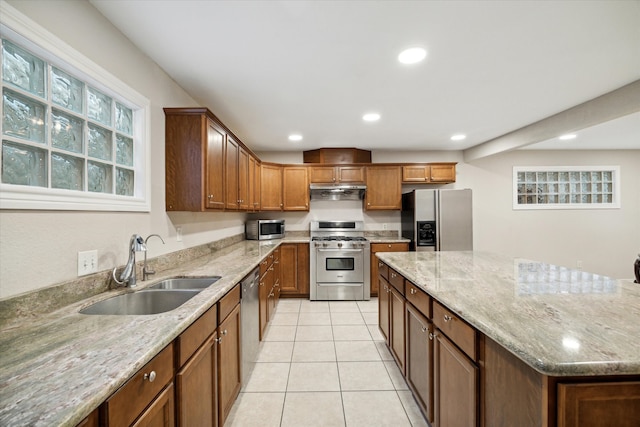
<point x="388" y="246"/>
<point x="431" y="336"/>
<point x="393" y="274"/>
<point x="210" y="196"/>
<point x="151" y="376"/>
<point x="224" y="332"/>
<point x="218" y="340"/>
<point x="424" y="329"/>
<point x="447" y="318"/>
<point x="380" y="264"/>
<point x="413" y="291"/>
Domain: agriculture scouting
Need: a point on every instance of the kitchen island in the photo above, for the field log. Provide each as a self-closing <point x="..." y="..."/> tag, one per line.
<point x="537" y="335"/>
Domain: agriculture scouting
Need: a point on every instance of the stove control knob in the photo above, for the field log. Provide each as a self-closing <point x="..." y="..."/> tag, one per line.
<point x="339" y="244"/>
<point x="325" y="244"/>
<point x="317" y="245"/>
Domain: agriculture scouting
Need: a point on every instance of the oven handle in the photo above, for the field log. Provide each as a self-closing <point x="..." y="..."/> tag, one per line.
<point x="339" y="250"/>
<point x="334" y="284"/>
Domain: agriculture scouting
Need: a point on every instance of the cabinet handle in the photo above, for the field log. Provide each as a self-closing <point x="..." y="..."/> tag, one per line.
<point x="388" y="246"/>
<point x="218" y="340"/>
<point x="210" y="196"/>
<point x="413" y="291"/>
<point x="151" y="376"/>
<point x="276" y="262"/>
<point x="431" y="336"/>
<point x="271" y="294"/>
<point x="380" y="265"/>
<point x="447" y="318"/>
<point x="393" y="275"/>
<point x="424" y="329"/>
<point x="271" y="268"/>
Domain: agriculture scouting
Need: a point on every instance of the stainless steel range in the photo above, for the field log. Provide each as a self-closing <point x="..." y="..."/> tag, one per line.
<point x="340" y="260"/>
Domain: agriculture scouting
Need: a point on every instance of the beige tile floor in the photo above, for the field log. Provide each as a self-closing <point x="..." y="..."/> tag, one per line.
<point x="325" y="364"/>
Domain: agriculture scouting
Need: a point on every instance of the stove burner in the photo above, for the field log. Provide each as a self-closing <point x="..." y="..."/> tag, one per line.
<point x="338" y="239"/>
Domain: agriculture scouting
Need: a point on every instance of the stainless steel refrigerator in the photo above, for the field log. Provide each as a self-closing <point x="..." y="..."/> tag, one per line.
<point x="438" y="220"/>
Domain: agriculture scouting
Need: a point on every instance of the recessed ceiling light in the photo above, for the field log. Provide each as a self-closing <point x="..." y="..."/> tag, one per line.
<point x="371" y="117"/>
<point x="458" y="137"/>
<point x="568" y="137"/>
<point x="295" y="137"/>
<point x="412" y="55"/>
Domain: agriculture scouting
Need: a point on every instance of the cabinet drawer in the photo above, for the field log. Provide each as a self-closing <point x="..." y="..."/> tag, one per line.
<point x="228" y="303"/>
<point x="389" y="247"/>
<point x="132" y="398"/>
<point x="419" y="299"/>
<point x="193" y="337"/>
<point x="397" y="280"/>
<point x="383" y="270"/>
<point x="463" y="335"/>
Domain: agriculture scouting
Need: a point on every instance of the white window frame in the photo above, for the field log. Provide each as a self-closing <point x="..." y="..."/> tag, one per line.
<point x="615" y="190"/>
<point x="23" y="31"/>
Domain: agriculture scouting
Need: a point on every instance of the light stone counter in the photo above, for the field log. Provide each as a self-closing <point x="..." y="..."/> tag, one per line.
<point x="561" y="322"/>
<point x="57" y="369"/>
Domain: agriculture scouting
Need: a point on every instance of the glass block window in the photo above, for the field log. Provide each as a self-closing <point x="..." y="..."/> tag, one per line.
<point x="71" y="139"/>
<point x="558" y="187"/>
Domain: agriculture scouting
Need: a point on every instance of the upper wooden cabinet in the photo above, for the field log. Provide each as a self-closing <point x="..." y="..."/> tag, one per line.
<point x="194" y="164"/>
<point x="384" y="188"/>
<point x="295" y="192"/>
<point x="270" y="187"/>
<point x="254" y="184"/>
<point x="231" y="175"/>
<point x="336" y="174"/>
<point x="429" y="173"/>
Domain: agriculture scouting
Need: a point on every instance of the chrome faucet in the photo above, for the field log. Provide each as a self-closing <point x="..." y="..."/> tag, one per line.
<point x="146" y="271"/>
<point x="128" y="275"/>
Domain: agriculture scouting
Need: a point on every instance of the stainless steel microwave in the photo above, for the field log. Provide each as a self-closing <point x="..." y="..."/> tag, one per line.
<point x="264" y="229"/>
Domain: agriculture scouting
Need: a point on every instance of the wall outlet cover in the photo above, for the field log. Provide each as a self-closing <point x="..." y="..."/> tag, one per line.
<point x="87" y="262"/>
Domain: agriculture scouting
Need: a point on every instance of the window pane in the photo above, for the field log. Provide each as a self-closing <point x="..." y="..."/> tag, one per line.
<point x="23" y="165"/>
<point x="124" y="150"/>
<point x="66" y="91"/>
<point x="99" y="106"/>
<point x="99" y="142"/>
<point x="67" y="172"/>
<point x="100" y="177"/>
<point x="124" y="182"/>
<point x="23" y="117"/>
<point x="124" y="119"/>
<point x="66" y="132"/>
<point x="22" y="69"/>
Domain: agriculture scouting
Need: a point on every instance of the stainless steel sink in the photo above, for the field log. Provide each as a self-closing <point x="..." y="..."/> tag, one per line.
<point x="198" y="283"/>
<point x="142" y="302"/>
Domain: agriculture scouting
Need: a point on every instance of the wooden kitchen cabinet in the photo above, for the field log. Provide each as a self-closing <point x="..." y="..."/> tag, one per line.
<point x="419" y="354"/>
<point x="254" y="184"/>
<point x="92" y="420"/>
<point x="375" y="262"/>
<point x="336" y="174"/>
<point x="441" y="173"/>
<point x="197" y="380"/>
<point x="194" y="160"/>
<point x="295" y="191"/>
<point x="270" y="187"/>
<point x="229" y="353"/>
<point x="455" y="385"/>
<point x="294" y="262"/>
<point x="243" y="180"/>
<point x="141" y="391"/>
<point x="161" y="411"/>
<point x="384" y="296"/>
<point x="231" y="175"/>
<point x="384" y="188"/>
<point x="396" y="325"/>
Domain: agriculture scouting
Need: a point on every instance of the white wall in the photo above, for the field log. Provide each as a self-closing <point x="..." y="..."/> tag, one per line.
<point x="38" y="249"/>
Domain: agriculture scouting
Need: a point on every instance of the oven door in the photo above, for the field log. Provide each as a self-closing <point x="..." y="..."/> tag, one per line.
<point x="339" y="266"/>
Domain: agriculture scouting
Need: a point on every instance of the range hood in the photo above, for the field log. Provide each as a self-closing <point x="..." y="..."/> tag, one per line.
<point x="337" y="192"/>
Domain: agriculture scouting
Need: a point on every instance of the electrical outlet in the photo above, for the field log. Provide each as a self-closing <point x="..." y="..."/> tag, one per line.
<point x="579" y="265"/>
<point x="87" y="262"/>
<point x="384" y="226"/>
<point x="178" y="234"/>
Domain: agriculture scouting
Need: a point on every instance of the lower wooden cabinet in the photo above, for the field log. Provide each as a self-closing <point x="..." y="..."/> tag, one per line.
<point x="161" y="411"/>
<point x="419" y="356"/>
<point x="375" y="262"/>
<point x="294" y="264"/>
<point x="229" y="362"/>
<point x="92" y="420"/>
<point x="455" y="385"/>
<point x="383" y="307"/>
<point x="396" y="327"/>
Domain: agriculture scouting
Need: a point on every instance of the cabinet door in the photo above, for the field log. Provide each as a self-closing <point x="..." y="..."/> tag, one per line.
<point x="197" y="388"/>
<point x="294" y="267"/>
<point x="296" y="188"/>
<point x="229" y="362"/>
<point x="160" y="413"/>
<point x="243" y="180"/>
<point x="303" y="270"/>
<point x="442" y="172"/>
<point x="263" y="294"/>
<point x="384" y="295"/>
<point x="231" y="174"/>
<point x="375" y="262"/>
<point x="271" y="187"/>
<point x="350" y="174"/>
<point x="415" y="173"/>
<point x="254" y="185"/>
<point x="455" y="386"/>
<point x="214" y="175"/>
<point x="397" y="329"/>
<point x="420" y="359"/>
<point x="384" y="188"/>
<point x="322" y="174"/>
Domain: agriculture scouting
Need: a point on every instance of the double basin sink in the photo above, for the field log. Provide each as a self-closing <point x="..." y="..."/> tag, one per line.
<point x="164" y="296"/>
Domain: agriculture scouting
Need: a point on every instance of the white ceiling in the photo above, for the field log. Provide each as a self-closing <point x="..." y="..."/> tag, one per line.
<point x="271" y="68"/>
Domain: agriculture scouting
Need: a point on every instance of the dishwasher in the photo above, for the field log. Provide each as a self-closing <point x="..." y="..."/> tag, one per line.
<point x="249" y="316"/>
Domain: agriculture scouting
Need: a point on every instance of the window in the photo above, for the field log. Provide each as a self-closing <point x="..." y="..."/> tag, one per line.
<point x="559" y="187"/>
<point x="73" y="136"/>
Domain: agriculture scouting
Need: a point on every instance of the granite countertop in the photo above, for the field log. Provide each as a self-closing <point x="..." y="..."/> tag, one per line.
<point x="57" y="369"/>
<point x="381" y="239"/>
<point x="561" y="322"/>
